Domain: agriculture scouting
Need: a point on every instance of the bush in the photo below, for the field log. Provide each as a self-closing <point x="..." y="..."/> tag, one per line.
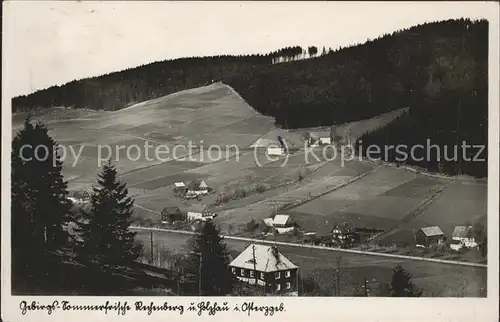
<point x="251" y="225"/>
<point x="260" y="188"/>
<point x="239" y="193"/>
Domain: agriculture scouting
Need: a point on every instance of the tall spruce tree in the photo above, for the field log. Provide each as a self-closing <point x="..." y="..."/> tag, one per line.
<point x="105" y="236"/>
<point x="401" y="284"/>
<point x="40" y="206"/>
<point x="210" y="256"/>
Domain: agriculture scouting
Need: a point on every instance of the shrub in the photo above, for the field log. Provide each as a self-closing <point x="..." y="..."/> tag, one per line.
<point x="260" y="188"/>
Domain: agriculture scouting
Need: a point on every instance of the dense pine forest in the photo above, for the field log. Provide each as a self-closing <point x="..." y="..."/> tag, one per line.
<point x="438" y="69"/>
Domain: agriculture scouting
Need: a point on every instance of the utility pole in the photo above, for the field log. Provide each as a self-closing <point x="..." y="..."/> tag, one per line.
<point x="459" y="103"/>
<point x="297" y="282"/>
<point x="178" y="282"/>
<point x="152" y="254"/>
<point x="254" y="264"/>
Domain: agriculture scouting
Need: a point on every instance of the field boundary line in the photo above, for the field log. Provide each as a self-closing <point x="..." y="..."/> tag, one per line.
<point x="349" y="181"/>
<point x="147" y="209"/>
<point x="415" y="213"/>
<point x="351" y="251"/>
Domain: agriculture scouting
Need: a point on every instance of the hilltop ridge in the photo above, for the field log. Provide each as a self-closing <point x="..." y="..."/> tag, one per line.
<point x="437" y="69"/>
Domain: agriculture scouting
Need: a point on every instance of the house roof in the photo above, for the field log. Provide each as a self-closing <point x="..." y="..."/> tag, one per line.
<point x="267" y="259"/>
<point x="319" y="134"/>
<point x="280" y="219"/>
<point x="432" y="231"/>
<point x="199" y="208"/>
<point x="179" y="184"/>
<point x="462" y="231"/>
<point x="171" y="210"/>
<point x="268" y="221"/>
<point x="324" y="230"/>
<point x="264" y="143"/>
<point x="198" y="183"/>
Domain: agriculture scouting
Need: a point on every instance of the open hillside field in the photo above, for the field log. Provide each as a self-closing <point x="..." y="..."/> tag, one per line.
<point x="397" y="201"/>
<point x="461" y="203"/>
<point x="354" y="130"/>
<point x="435" y="279"/>
<point x="210" y="133"/>
<point x="198" y="118"/>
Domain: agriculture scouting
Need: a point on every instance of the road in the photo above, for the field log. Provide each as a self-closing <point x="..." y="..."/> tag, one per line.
<point x="234" y="240"/>
<point x="436" y="278"/>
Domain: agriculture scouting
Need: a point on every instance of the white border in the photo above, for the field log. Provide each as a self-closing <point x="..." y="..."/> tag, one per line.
<point x="298" y="309"/>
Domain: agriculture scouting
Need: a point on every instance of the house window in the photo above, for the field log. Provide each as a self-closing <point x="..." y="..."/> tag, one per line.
<point x="288" y="285"/>
<point x="233" y="270"/>
<point x="262" y="277"/>
<point x="251" y="273"/>
<point x="277" y="275"/>
<point x="287" y="274"/>
<point x="242" y="272"/>
<point x="278" y="287"/>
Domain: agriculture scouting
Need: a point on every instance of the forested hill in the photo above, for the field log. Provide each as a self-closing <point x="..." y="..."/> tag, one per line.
<point x="437" y="69"/>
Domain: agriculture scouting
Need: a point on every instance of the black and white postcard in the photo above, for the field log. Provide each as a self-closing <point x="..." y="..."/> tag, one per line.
<point x="246" y="160"/>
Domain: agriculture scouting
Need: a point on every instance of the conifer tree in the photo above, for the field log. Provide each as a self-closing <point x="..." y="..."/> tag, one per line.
<point x="210" y="256"/>
<point x="105" y="236"/>
<point x="40" y="206"/>
<point x="401" y="284"/>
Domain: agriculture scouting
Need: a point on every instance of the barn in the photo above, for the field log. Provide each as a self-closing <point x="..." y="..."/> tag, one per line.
<point x="429" y="236"/>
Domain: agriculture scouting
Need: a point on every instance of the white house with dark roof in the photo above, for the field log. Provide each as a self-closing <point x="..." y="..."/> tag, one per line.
<point x="199" y="212"/>
<point x="318" y="138"/>
<point x="197" y="187"/>
<point x="463" y="236"/>
<point x="179" y="187"/>
<point x="429" y="236"/>
<point x="265" y="266"/>
<point x="283" y="223"/>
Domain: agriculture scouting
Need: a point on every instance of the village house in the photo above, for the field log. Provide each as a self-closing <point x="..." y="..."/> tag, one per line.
<point x="266" y="267"/>
<point x="171" y="214"/>
<point x="200" y="212"/>
<point x="197" y="187"/>
<point x="319" y="138"/>
<point x="463" y="236"/>
<point x="272" y="147"/>
<point x="344" y="235"/>
<point x="338" y="235"/>
<point x="429" y="236"/>
<point x="266" y="225"/>
<point x="275" y="151"/>
<point x="283" y="224"/>
<point x="279" y="224"/>
<point x="179" y="188"/>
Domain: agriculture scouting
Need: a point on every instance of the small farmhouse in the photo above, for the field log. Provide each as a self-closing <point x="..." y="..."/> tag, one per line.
<point x="319" y="138"/>
<point x="197" y="187"/>
<point x="429" y="236"/>
<point x="275" y="150"/>
<point x="338" y="235"/>
<point x="171" y="214"/>
<point x="463" y="237"/>
<point x="265" y="266"/>
<point x="345" y="235"/>
<point x="179" y="188"/>
<point x="266" y="225"/>
<point x="283" y="224"/>
<point x="200" y="212"/>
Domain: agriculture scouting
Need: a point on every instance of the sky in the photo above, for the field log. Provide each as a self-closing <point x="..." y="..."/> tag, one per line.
<point x="53" y="42"/>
